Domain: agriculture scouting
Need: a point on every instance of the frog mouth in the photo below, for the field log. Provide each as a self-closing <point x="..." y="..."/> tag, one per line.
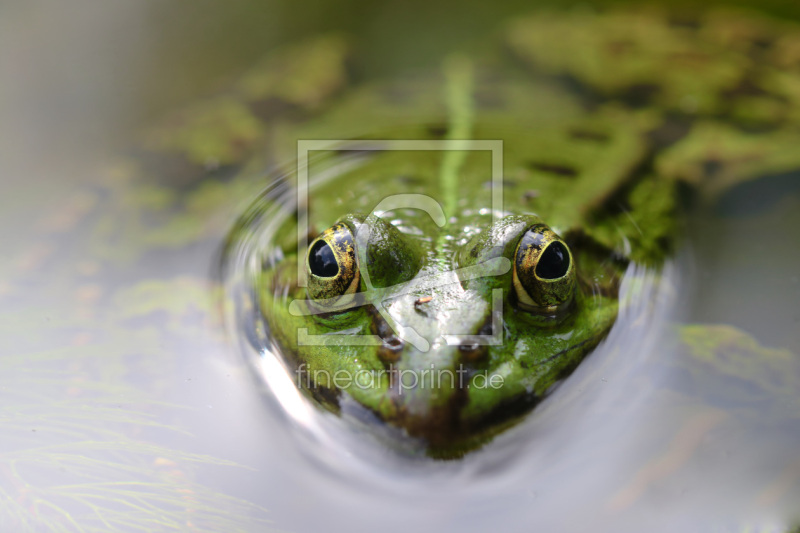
<point x="446" y="431"/>
<point x="444" y="434"/>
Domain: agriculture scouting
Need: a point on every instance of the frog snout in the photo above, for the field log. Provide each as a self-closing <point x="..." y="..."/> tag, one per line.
<point x="425" y="326"/>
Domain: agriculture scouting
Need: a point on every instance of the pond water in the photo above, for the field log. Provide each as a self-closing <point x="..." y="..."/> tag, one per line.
<point x="130" y="400"/>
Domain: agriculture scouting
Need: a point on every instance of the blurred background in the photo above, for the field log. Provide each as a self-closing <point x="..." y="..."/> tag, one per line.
<point x="82" y="76"/>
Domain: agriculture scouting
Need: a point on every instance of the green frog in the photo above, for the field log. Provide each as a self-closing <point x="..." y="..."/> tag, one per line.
<point x="446" y="247"/>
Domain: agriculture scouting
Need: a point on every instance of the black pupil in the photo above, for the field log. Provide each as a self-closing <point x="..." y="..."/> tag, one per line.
<point x="321" y="260"/>
<point x="554" y="262"/>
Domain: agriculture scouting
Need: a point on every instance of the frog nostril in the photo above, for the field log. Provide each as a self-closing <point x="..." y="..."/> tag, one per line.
<point x="472" y="351"/>
<point x="390" y="350"/>
<point x="393" y="342"/>
<point x="392" y="346"/>
<point x="468" y="346"/>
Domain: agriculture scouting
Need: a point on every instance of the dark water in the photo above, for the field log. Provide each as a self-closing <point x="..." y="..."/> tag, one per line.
<point x="126" y="402"/>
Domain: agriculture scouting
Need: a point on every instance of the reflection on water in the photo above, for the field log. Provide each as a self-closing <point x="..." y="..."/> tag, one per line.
<point x="125" y="404"/>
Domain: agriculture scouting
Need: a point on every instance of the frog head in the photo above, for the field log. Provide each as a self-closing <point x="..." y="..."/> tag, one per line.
<point x="449" y="336"/>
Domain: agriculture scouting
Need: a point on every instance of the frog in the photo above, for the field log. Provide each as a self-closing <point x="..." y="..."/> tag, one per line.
<point x="443" y="290"/>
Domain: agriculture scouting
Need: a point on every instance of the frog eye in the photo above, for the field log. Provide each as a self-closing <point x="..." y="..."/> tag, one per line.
<point x="544" y="272"/>
<point x="331" y="264"/>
